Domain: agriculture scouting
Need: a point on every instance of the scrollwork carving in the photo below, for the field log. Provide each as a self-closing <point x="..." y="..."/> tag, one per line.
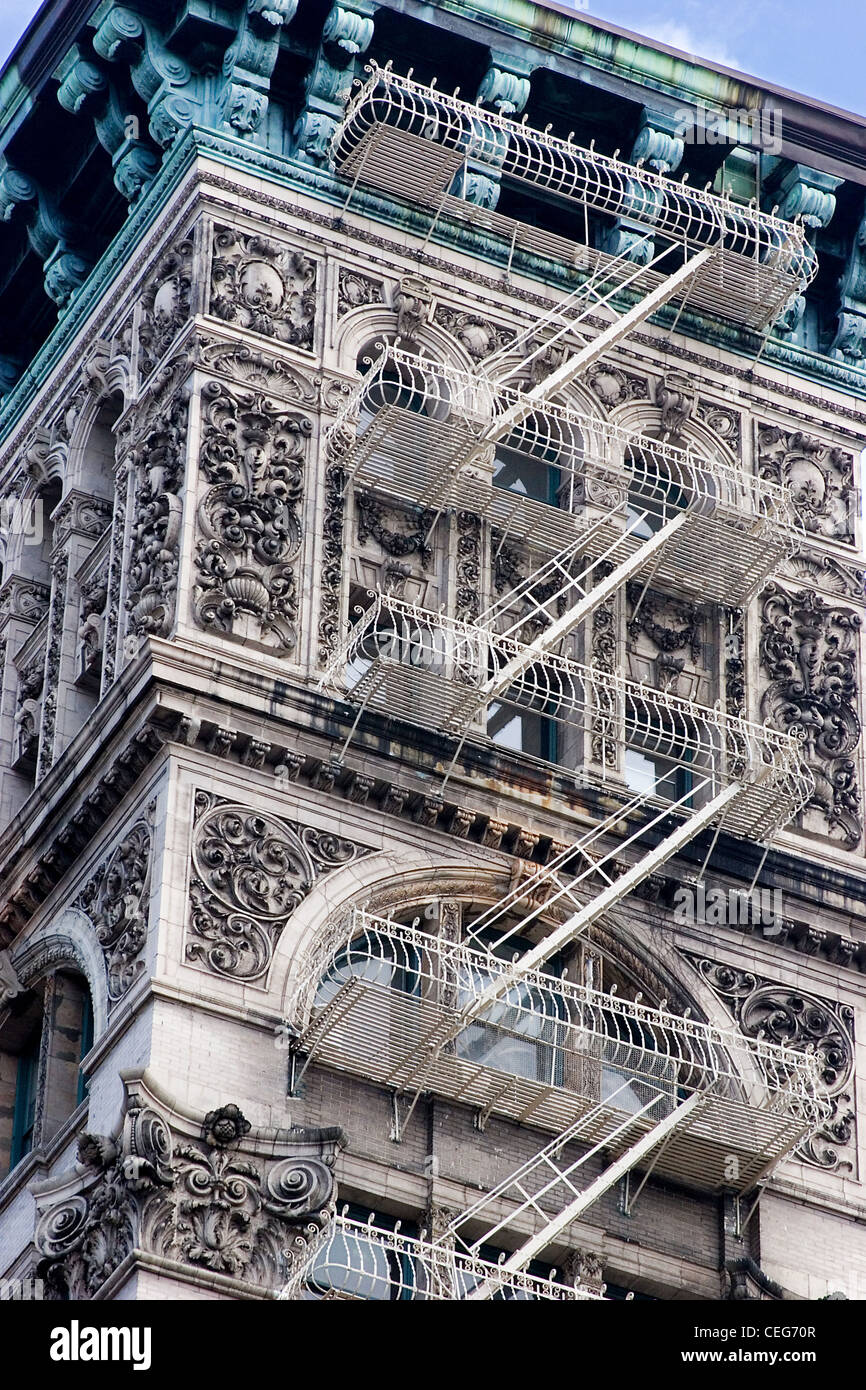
<point x="249" y="874"/>
<point x="803" y="1022"/>
<point x="116" y="900"/>
<point x="808" y="651"/>
<point x="821" y="479"/>
<point x="165" y="305"/>
<point x="252" y="456"/>
<point x="263" y="286"/>
<point x="159" y="467"/>
<point x="224" y="1200"/>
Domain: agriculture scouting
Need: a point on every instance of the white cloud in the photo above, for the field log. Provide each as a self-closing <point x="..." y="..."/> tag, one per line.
<point x="681" y="36"/>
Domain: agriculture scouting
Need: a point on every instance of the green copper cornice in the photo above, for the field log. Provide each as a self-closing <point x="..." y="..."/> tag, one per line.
<point x="294" y="175"/>
<point x="628" y="58"/>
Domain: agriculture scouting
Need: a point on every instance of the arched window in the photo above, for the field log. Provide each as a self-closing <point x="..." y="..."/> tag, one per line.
<point x="47" y="1034"/>
<point x="522" y="1033"/>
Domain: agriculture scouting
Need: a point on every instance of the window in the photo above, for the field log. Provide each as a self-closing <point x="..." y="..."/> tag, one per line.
<point x="354" y="1265"/>
<point x="518" y="472"/>
<point x="47" y="1033"/>
<point x="660" y="750"/>
<point x="86" y="1044"/>
<point x="654" y="497"/>
<point x="26" y="1091"/>
<point x="522" y="730"/>
<point x="522" y="1034"/>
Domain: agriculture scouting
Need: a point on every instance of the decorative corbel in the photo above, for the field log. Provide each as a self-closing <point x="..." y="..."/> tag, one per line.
<point x="659" y="145"/>
<point x="346" y="35"/>
<point x="249" y="64"/>
<point x="84" y="88"/>
<point x="162" y="79"/>
<point x="52" y="236"/>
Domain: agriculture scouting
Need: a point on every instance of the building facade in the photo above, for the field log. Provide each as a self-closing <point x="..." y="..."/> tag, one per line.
<point x="431" y="832"/>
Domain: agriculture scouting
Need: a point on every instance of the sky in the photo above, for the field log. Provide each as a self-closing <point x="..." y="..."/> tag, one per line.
<point x="809" y="47"/>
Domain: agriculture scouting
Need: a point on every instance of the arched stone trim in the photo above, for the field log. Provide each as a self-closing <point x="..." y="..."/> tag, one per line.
<point x="371" y="323"/>
<point x="398" y="878"/>
<point x="69" y="937"/>
<point x="392" y="881"/>
<point x="645" y="418"/>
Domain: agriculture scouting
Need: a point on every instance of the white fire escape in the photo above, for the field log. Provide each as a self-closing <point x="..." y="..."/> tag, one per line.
<point x="621" y="1086"/>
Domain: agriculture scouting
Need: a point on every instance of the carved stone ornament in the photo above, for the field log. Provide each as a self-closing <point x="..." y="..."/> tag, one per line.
<point x="803" y="1022"/>
<point x="476" y="334"/>
<point x="674" y="398"/>
<point x="116" y="900"/>
<point x="212" y="1196"/>
<point x="613" y="387"/>
<point x="337" y="445"/>
<point x="808" y="649"/>
<point x="159" y="468"/>
<point x="671" y="625"/>
<point x="355" y="290"/>
<point x="56" y="617"/>
<point x="412" y="306"/>
<point x="263" y="286"/>
<point x="603" y="740"/>
<point x="249" y="874"/>
<point x="821" y="479"/>
<point x="260" y="370"/>
<point x="165" y="305"/>
<point x="398" y="532"/>
<point x="252" y="455"/>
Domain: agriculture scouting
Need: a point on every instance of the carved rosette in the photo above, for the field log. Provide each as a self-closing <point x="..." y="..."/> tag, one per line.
<point x="821" y="479"/>
<point x="165" y="305"/>
<point x="159" y="467"/>
<point x="805" y="1023"/>
<point x="249" y="874"/>
<point x="210" y="1195"/>
<point x="116" y="899"/>
<point x="252" y="457"/>
<point x="263" y="286"/>
<point x="808" y="652"/>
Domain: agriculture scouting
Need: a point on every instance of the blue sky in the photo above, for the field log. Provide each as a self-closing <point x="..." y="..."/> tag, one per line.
<point x="812" y="47"/>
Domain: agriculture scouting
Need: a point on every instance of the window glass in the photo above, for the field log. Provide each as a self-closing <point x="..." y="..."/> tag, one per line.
<point x="26" y="1085"/>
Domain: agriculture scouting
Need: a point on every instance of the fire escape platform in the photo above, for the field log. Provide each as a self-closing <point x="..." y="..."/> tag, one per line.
<point x="412" y="141"/>
<point x="405" y="1042"/>
<point x="722" y="556"/>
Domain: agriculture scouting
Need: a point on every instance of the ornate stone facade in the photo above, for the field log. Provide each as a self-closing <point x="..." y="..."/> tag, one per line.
<point x="808" y="652"/>
<point x="207" y="1196"/>
<point x="261" y="285"/>
<point x="803" y="1022"/>
<point x="252" y="458"/>
<point x="249" y="874"/>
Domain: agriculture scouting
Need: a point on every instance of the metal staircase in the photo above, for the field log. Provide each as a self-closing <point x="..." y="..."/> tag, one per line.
<point x="621" y="1085"/>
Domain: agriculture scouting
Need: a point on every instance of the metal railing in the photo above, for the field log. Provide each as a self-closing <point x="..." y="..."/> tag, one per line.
<point x="440" y="672"/>
<point x="356" y="1260"/>
<point x="545" y="1027"/>
<point x="605" y="184"/>
<point x="594" y="457"/>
